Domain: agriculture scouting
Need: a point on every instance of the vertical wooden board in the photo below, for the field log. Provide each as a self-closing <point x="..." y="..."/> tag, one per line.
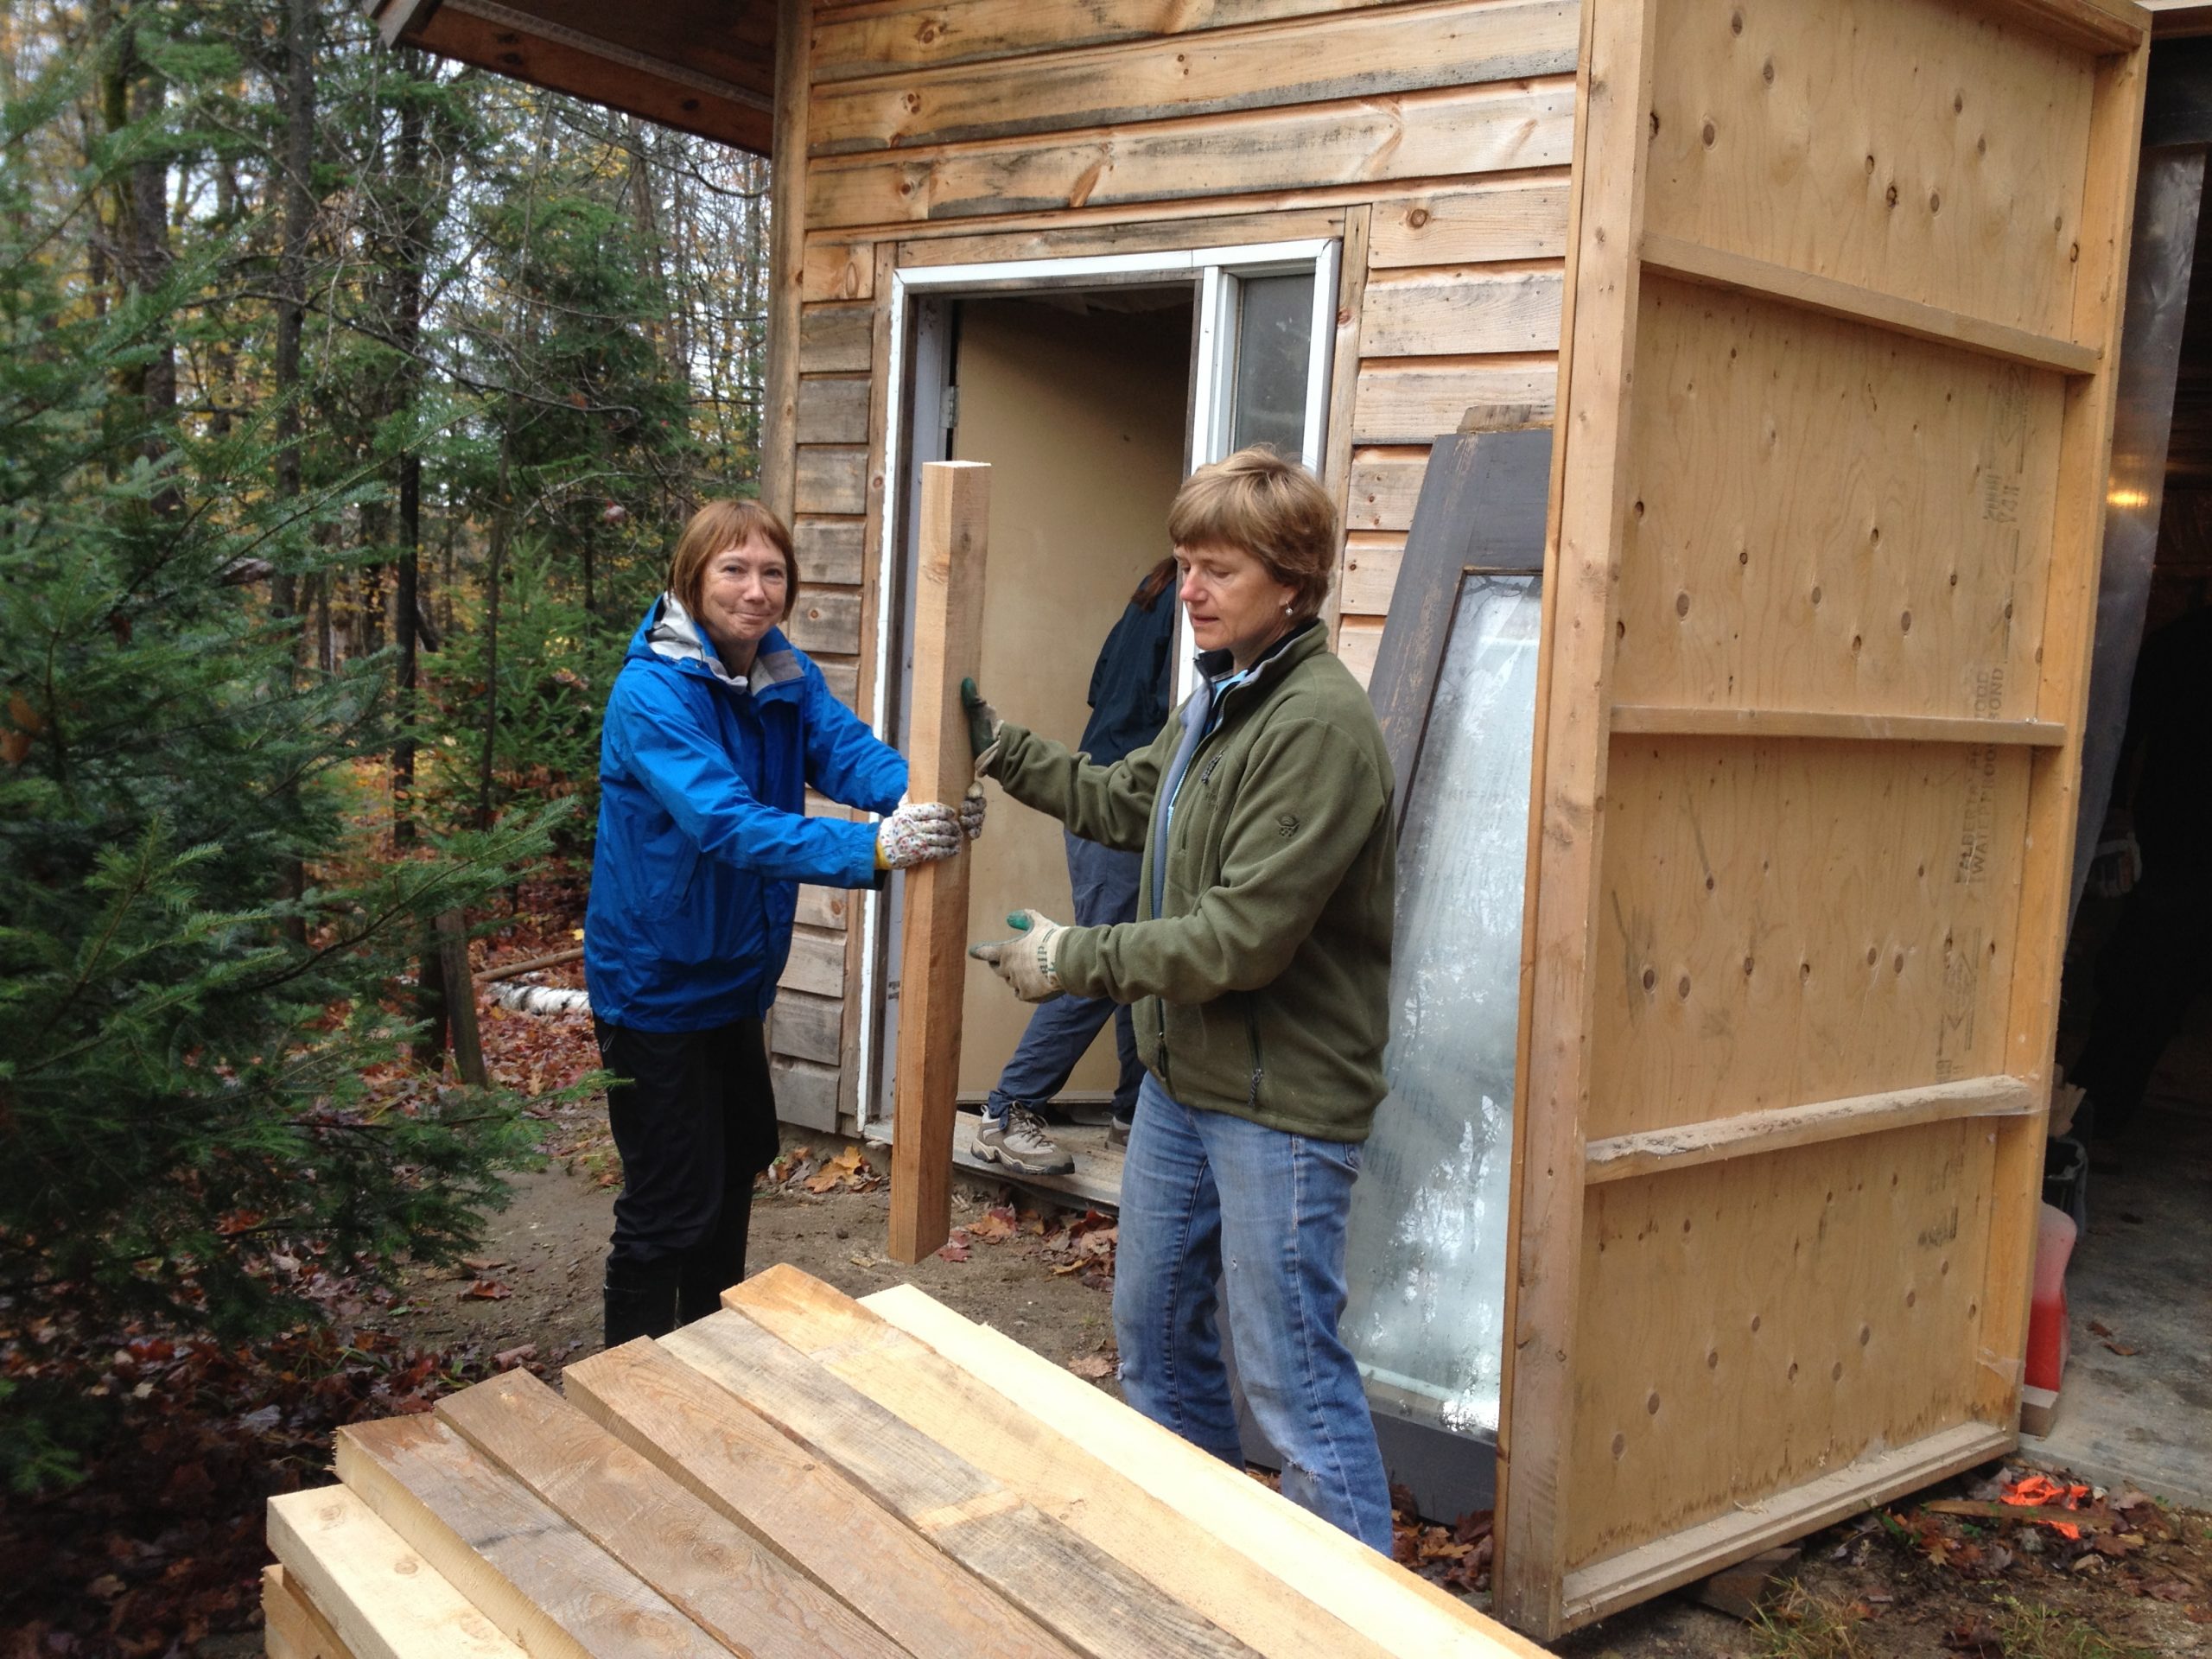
<point x="955" y="508"/>
<point x="538" y="1579"/>
<point x="1344" y="384"/>
<point x="787" y="265"/>
<point x="381" y="1597"/>
<point x="1095" y="1602"/>
<point x="1825" y="516"/>
<point x="1788" y="921"/>
<point x="1460" y="309"/>
<point x="748" y="1597"/>
<point x="1523" y="219"/>
<point x="1930" y="150"/>
<point x="1820" y="1303"/>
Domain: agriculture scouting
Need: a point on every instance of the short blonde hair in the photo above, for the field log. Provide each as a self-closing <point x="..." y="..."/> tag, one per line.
<point x="722" y="525"/>
<point x="1271" y="508"/>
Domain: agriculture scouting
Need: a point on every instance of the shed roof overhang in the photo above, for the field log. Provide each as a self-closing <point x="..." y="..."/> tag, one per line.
<point x="705" y="66"/>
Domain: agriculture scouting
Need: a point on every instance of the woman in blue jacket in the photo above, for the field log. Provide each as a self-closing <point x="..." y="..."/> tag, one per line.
<point x="714" y="729"/>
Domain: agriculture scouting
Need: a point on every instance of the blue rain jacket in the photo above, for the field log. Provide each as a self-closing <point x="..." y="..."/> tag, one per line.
<point x="703" y="837"/>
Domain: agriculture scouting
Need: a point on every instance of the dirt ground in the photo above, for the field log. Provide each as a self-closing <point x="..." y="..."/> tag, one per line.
<point x="1896" y="1583"/>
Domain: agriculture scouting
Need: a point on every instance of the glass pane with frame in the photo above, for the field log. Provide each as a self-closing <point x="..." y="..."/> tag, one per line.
<point x="1425" y="1256"/>
<point x="1274" y="337"/>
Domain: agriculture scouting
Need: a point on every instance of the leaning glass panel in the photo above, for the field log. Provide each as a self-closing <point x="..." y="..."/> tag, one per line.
<point x="1275" y="334"/>
<point x="1426" y="1259"/>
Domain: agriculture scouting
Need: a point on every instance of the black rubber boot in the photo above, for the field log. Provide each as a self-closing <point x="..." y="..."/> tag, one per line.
<point x="640" y="1302"/>
<point x="717" y="1262"/>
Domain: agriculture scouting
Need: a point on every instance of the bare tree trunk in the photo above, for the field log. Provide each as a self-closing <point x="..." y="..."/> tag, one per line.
<point x="408" y="329"/>
<point x="298" y="163"/>
<point x="501" y="508"/>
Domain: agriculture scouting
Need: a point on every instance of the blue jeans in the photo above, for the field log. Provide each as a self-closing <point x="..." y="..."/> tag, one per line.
<point x="1060" y="1032"/>
<point x="1205" y="1197"/>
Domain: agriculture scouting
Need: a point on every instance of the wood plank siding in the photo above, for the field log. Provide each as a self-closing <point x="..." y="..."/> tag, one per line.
<point x="1432" y="139"/>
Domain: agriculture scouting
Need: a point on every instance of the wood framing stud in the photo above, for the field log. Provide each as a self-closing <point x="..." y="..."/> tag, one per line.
<point x="948" y="643"/>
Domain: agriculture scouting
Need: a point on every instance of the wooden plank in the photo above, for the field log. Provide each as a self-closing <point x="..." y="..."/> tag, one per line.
<point x="750" y="1599"/>
<point x="781" y="491"/>
<point x="1619" y="1157"/>
<point x="534" y="1575"/>
<point x="1460" y="310"/>
<point x="1358" y="639"/>
<point x="1482" y="506"/>
<point x="1370" y="576"/>
<point x="806" y="1094"/>
<point x="1524" y="219"/>
<point x="817" y="963"/>
<point x="1411" y="403"/>
<point x="1833" y="723"/>
<point x="808" y="1027"/>
<point x="1867" y="1482"/>
<point x="826" y="907"/>
<point x="1094" y="1602"/>
<point x="1365" y="53"/>
<point x="832" y="410"/>
<point x="1673" y="256"/>
<point x="1822" y="515"/>
<point x="380" y="1596"/>
<point x="1058" y="239"/>
<point x="1552" y="1083"/>
<point x="729" y="1456"/>
<point x="1413" y="135"/>
<point x="948" y="631"/>
<point x="2086" y="25"/>
<point x="832" y="479"/>
<point x="2061" y="696"/>
<point x="295" y="1628"/>
<point x="852" y="41"/>
<point x="1973" y="199"/>
<point x="830" y="550"/>
<point x="1385" y="484"/>
<point x="835" y="269"/>
<point x="1184" y="1554"/>
<point x="1403" y="1614"/>
<point x="1344" y="383"/>
<point x="843" y="680"/>
<point x="825" y="618"/>
<point x="837" y="339"/>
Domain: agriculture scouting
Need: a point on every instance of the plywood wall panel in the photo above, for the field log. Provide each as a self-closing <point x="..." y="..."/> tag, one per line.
<point x="1352" y="55"/>
<point x="1818" y="1303"/>
<point x="1829" y="516"/>
<point x="1784" y="921"/>
<point x="1944" y="164"/>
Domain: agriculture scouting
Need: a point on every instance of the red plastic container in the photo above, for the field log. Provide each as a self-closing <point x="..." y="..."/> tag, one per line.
<point x="2047" y="1331"/>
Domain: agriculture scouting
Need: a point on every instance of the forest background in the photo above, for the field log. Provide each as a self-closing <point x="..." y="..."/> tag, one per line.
<point x="349" y="401"/>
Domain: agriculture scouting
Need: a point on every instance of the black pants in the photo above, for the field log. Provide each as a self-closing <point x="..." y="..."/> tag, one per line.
<point x="694" y="1116"/>
<point x="2156" y="962"/>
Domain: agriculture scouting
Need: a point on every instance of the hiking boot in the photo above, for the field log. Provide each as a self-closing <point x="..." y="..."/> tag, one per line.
<point x="1117" y="1137"/>
<point x="1019" y="1140"/>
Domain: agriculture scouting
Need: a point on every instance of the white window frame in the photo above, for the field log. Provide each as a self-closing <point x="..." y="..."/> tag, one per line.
<point x="1216" y="274"/>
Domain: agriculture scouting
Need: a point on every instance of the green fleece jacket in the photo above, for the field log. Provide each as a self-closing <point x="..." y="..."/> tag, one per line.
<point x="1262" y="987"/>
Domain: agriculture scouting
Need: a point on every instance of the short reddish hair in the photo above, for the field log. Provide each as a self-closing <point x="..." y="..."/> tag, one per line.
<point x="1271" y="508"/>
<point x="716" y="527"/>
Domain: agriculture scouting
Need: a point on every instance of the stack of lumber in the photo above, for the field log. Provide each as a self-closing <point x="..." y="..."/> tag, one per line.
<point x="802" y="1474"/>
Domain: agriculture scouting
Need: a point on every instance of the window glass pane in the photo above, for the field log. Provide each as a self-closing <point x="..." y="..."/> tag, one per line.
<point x="1426" y="1258"/>
<point x="1275" y="332"/>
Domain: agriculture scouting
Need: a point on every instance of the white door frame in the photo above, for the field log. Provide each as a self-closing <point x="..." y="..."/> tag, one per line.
<point x="1214" y="274"/>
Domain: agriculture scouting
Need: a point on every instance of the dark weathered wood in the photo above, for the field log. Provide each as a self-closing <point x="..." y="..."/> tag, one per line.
<point x="830" y="550"/>
<point x="1091" y="1601"/>
<point x="825" y="619"/>
<point x="748" y="1597"/>
<point x="782" y="488"/>
<point x="806" y="1094"/>
<point x="461" y="998"/>
<point x="808" y="1027"/>
<point x="1481" y="507"/>
<point x="721" y="1452"/>
<point x="835" y="339"/>
<point x="832" y="410"/>
<point x="831" y="479"/>
<point x="510" y="970"/>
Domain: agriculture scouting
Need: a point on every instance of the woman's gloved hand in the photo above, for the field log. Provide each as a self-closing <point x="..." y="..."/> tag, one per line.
<point x="971" y="811"/>
<point x="919" y="832"/>
<point x="1030" y="963"/>
<point x="983" y="723"/>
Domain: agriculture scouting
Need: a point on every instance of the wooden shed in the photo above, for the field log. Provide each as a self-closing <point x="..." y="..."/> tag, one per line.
<point x="1827" y="298"/>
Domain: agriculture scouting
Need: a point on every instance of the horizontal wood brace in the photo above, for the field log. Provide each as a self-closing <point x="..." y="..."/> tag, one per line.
<point x="1639" y="1573"/>
<point x="1693" y="262"/>
<point x="2097" y="26"/>
<point x="1778" y="1129"/>
<point x="1687" y="721"/>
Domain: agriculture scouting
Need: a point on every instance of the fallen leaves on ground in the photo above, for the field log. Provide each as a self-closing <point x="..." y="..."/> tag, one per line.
<point x="1096" y="1367"/>
<point x="1458" y="1557"/>
<point x="818" y="1173"/>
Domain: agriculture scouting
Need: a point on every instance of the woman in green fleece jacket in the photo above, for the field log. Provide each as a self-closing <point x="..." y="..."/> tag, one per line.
<point x="1260" y="966"/>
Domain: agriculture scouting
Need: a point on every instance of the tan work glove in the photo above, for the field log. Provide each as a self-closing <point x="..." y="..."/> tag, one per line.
<point x="1029" y="964"/>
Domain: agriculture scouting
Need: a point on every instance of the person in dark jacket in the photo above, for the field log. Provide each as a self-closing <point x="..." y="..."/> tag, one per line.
<point x="1129" y="696"/>
<point x="714" y="729"/>
<point x="1260" y="965"/>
